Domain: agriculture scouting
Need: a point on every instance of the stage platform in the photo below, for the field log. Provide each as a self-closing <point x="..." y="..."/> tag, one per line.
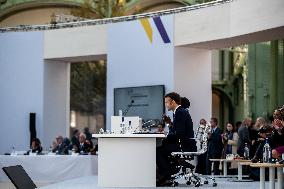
<point x="90" y="182"/>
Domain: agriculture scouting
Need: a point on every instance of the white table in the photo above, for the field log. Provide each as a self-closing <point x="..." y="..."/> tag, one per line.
<point x="52" y="168"/>
<point x="225" y="166"/>
<point x="271" y="167"/>
<point x="242" y="163"/>
<point x="127" y="160"/>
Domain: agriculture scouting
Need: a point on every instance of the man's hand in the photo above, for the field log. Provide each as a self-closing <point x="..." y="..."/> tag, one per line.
<point x="277" y="124"/>
<point x="167" y="119"/>
<point x="209" y="135"/>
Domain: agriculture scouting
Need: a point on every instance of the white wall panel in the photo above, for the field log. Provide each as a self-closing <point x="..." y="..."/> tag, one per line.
<point x="21" y="88"/>
<point x="133" y="61"/>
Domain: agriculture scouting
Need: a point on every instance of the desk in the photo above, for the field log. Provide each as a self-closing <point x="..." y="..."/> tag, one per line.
<point x="241" y="163"/>
<point x="52" y="168"/>
<point x="127" y="160"/>
<point x="225" y="165"/>
<point x="271" y="167"/>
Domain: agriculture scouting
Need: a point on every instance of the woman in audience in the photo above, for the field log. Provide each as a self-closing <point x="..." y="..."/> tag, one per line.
<point x="230" y="139"/>
<point x="35" y="147"/>
<point x="277" y="139"/>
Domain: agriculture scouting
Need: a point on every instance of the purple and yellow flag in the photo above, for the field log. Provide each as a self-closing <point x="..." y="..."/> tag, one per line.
<point x="147" y="27"/>
<point x="160" y="26"/>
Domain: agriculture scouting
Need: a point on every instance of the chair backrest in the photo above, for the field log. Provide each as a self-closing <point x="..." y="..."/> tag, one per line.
<point x="19" y="177"/>
<point x="202" y="136"/>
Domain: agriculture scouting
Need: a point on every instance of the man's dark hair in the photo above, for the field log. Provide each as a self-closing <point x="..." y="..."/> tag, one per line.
<point x="215" y="120"/>
<point x="184" y="102"/>
<point x="174" y="96"/>
<point x="75" y="131"/>
<point x="238" y="124"/>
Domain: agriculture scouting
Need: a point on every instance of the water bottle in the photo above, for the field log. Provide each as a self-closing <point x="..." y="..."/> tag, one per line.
<point x="266" y="152"/>
<point x="129" y="127"/>
<point x="246" y="151"/>
<point x="122" y="126"/>
<point x="120" y="113"/>
<point x="13" y="152"/>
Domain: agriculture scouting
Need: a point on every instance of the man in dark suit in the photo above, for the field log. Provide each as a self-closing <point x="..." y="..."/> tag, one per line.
<point x="60" y="147"/>
<point x="215" y="147"/>
<point x="181" y="131"/>
<point x="84" y="145"/>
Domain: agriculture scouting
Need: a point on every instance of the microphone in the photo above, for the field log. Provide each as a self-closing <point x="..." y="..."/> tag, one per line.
<point x="128" y="107"/>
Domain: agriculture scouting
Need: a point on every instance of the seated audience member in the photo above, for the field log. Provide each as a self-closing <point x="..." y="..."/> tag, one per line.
<point x="160" y="128"/>
<point x="253" y="133"/>
<point x="277" y="152"/>
<point x="87" y="133"/>
<point x="66" y="141"/>
<point x="75" y="149"/>
<point x="75" y="138"/>
<point x="238" y="125"/>
<point x="264" y="132"/>
<point x="60" y="148"/>
<point x="84" y="145"/>
<point x="277" y="137"/>
<point x="36" y="146"/>
<point x="93" y="149"/>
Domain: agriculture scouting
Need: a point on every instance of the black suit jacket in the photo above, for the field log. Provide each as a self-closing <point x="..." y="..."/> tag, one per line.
<point x="215" y="145"/>
<point x="61" y="149"/>
<point x="85" y="148"/>
<point x="182" y="130"/>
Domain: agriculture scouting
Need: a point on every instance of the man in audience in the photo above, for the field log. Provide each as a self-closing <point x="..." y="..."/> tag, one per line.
<point x="253" y="135"/>
<point x="87" y="133"/>
<point x="238" y="125"/>
<point x="264" y="132"/>
<point x="243" y="133"/>
<point x="84" y="146"/>
<point x="160" y="128"/>
<point x="215" y="147"/>
<point x="75" y="138"/>
<point x="60" y="148"/>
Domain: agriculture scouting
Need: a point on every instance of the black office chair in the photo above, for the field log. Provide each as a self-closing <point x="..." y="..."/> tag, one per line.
<point x="184" y="169"/>
<point x="19" y="177"/>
